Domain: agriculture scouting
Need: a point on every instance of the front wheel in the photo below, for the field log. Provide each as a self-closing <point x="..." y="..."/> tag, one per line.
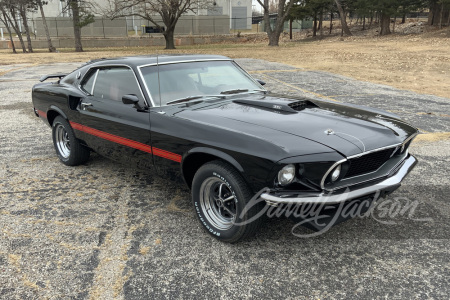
<point x="221" y="200"/>
<point x="68" y="149"/>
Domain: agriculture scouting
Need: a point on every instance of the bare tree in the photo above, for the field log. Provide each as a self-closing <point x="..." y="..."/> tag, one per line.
<point x="385" y="23"/>
<point x="41" y="4"/>
<point x="23" y="6"/>
<point x="81" y="16"/>
<point x="343" y="16"/>
<point x="10" y="12"/>
<point x="5" y="21"/>
<point x="274" y="33"/>
<point x="439" y="12"/>
<point x="168" y="10"/>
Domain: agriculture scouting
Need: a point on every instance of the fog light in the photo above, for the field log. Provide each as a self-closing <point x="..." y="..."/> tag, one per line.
<point x="286" y="175"/>
<point x="336" y="173"/>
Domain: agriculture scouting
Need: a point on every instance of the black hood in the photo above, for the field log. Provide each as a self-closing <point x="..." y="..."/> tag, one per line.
<point x="346" y="129"/>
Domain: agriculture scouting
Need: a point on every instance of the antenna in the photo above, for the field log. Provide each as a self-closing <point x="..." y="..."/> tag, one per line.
<point x="159" y="83"/>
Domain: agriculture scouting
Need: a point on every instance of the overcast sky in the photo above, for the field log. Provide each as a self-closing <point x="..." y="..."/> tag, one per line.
<point x="256" y="5"/>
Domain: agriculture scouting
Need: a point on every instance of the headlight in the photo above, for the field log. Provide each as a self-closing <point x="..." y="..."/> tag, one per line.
<point x="286" y="175"/>
<point x="336" y="173"/>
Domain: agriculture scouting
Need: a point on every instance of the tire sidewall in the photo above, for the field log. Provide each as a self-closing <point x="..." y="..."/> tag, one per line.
<point x="72" y="140"/>
<point x="217" y="171"/>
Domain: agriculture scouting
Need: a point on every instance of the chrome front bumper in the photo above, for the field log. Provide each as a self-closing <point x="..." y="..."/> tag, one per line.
<point x="389" y="184"/>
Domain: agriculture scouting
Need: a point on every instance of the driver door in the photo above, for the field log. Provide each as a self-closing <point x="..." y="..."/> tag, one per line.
<point x="114" y="129"/>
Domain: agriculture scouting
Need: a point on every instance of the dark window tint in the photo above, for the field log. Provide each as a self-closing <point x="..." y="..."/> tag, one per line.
<point x="113" y="83"/>
<point x="89" y="82"/>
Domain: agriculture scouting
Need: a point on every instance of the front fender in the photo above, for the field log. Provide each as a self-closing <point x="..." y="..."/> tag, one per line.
<point x="226" y="157"/>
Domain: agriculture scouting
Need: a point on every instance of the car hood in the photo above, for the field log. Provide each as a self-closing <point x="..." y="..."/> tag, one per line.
<point x="347" y="129"/>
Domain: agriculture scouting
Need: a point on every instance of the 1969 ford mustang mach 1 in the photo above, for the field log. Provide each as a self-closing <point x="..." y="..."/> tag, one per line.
<point x="204" y="120"/>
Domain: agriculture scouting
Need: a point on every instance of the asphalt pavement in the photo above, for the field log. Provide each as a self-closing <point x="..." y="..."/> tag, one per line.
<point x="104" y="231"/>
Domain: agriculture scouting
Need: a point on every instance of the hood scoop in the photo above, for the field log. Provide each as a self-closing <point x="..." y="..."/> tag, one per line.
<point x="279" y="105"/>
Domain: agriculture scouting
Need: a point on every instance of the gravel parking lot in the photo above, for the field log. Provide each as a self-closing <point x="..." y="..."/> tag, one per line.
<point x="104" y="231"/>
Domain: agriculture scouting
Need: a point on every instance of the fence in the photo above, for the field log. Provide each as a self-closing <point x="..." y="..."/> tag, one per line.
<point x="62" y="27"/>
<point x="122" y="27"/>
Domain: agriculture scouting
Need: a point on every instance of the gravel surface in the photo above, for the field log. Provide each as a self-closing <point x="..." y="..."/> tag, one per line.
<point x="104" y="231"/>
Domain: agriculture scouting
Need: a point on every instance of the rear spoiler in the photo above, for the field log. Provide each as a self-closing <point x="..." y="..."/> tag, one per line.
<point x="45" y="77"/>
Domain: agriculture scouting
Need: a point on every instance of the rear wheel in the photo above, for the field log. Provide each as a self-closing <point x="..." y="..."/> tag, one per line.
<point x="68" y="148"/>
<point x="221" y="202"/>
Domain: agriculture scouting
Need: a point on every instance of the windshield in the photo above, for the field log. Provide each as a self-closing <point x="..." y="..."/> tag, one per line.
<point x="202" y="78"/>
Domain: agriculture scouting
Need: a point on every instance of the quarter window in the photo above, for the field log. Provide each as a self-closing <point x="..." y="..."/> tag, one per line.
<point x="89" y="82"/>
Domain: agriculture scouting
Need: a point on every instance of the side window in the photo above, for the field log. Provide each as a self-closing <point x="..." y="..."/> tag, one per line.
<point x="88" y="83"/>
<point x="115" y="82"/>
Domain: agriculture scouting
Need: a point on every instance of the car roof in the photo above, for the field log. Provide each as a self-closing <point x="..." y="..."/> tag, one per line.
<point x="136" y="61"/>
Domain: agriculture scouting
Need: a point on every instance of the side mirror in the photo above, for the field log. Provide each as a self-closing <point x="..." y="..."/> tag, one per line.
<point x="261" y="82"/>
<point x="130" y="99"/>
<point x="133" y="99"/>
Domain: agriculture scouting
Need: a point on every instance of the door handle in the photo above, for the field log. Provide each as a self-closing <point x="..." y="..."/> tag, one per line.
<point x="84" y="105"/>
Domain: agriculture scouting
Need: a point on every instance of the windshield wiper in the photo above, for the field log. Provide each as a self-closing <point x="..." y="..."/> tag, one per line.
<point x="186" y="99"/>
<point x="183" y="99"/>
<point x="260" y="90"/>
<point x="235" y="91"/>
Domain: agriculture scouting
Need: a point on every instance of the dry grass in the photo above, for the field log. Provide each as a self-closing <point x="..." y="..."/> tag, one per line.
<point x="432" y="137"/>
<point x="420" y="63"/>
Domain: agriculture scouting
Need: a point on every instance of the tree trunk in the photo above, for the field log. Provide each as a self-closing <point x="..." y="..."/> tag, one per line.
<point x="441" y="15"/>
<point x="76" y="24"/>
<point x="23" y="14"/>
<point x="283" y="9"/>
<point x="290" y="29"/>
<point x="315" y="26"/>
<point x="168" y="36"/>
<point x="16" y="28"/>
<point x="22" y="43"/>
<point x="345" y="28"/>
<point x="385" y="24"/>
<point x="274" y="38"/>
<point x="321" y="23"/>
<point x="11" y="39"/>
<point x="364" y="22"/>
<point x="47" y="33"/>
<point x="431" y="14"/>
<point x="331" y="22"/>
<point x="371" y="21"/>
<point x="404" y="18"/>
<point x="266" y="17"/>
<point x="448" y="19"/>
<point x="5" y="21"/>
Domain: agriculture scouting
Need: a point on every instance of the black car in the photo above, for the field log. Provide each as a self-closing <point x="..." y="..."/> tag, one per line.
<point x="239" y="149"/>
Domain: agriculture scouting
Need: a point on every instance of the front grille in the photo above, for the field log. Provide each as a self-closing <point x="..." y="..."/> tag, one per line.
<point x="368" y="163"/>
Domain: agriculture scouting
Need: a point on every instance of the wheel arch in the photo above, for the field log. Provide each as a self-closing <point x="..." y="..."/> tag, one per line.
<point x="53" y="112"/>
<point x="197" y="157"/>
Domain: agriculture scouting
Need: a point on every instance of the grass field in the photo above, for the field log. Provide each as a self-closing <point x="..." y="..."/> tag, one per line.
<point x="419" y="63"/>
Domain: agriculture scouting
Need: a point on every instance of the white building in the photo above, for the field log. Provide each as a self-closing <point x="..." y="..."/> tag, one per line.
<point x="239" y="10"/>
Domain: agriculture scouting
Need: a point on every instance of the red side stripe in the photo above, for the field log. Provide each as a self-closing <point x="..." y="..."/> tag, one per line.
<point x="167" y="154"/>
<point x="42" y="114"/>
<point x="126" y="142"/>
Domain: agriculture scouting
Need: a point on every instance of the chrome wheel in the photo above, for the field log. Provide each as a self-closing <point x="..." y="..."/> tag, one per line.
<point x="218" y="203"/>
<point x="62" y="141"/>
